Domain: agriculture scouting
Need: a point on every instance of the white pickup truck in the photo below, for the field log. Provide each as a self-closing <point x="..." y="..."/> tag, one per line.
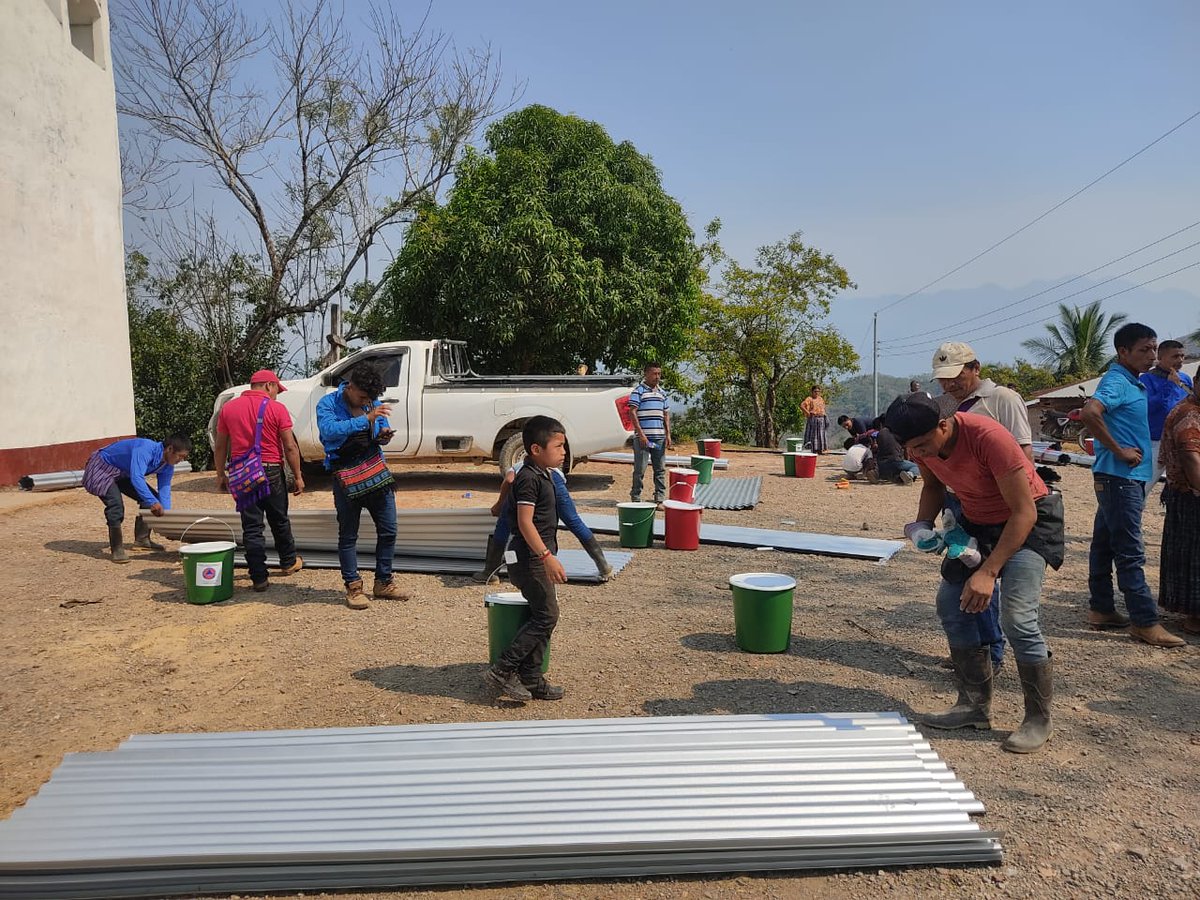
<point x="442" y="410"/>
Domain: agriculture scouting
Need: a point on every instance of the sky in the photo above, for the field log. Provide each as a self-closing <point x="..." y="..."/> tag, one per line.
<point x="901" y="137"/>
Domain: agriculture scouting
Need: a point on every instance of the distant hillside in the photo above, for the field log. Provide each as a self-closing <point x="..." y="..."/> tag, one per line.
<point x="855" y="396"/>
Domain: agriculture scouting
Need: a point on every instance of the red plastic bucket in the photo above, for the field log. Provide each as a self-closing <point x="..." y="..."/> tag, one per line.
<point x="806" y="465"/>
<point x="691" y="476"/>
<point x="683" y="492"/>
<point x="683" y="525"/>
<point x="710" y="447"/>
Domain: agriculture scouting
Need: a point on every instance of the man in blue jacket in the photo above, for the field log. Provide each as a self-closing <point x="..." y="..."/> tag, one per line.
<point x="1166" y="386"/>
<point x="122" y="468"/>
<point x="353" y="426"/>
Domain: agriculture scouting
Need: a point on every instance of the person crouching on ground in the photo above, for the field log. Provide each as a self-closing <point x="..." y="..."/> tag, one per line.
<point x="353" y="426"/>
<point x="517" y="673"/>
<point x="567" y="514"/>
<point x="122" y="468"/>
<point x="1018" y="524"/>
<point x="253" y="430"/>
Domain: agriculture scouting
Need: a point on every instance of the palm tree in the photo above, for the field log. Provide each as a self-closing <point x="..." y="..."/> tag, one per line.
<point x="1078" y="345"/>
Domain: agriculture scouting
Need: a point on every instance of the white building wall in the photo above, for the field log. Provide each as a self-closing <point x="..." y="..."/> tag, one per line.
<point x="64" y="338"/>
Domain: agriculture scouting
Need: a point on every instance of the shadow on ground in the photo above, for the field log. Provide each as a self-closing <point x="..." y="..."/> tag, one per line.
<point x="458" y="681"/>
<point x="760" y="696"/>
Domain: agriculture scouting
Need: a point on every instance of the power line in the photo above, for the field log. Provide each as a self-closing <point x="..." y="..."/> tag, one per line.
<point x="968" y="335"/>
<point x="906" y="337"/>
<point x="1049" y="318"/>
<point x="1033" y="222"/>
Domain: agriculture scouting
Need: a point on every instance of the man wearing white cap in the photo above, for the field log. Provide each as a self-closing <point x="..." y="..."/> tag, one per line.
<point x="956" y="368"/>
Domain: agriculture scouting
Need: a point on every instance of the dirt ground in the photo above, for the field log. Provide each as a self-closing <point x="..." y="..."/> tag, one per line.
<point x="1110" y="808"/>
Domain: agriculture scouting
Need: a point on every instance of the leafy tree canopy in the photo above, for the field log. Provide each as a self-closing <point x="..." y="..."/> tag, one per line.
<point x="1079" y="343"/>
<point x="762" y="332"/>
<point x="1028" y="378"/>
<point x="556" y="247"/>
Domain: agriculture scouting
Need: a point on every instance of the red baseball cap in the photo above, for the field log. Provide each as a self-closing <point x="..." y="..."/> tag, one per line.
<point x="266" y="376"/>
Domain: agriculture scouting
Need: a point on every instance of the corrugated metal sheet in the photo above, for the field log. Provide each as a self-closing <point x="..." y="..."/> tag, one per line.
<point x="489" y="802"/>
<point x="627" y="458"/>
<point x="72" y="478"/>
<point x="1043" y="452"/>
<point x="578" y="564"/>
<point x="790" y="541"/>
<point x="730" y="493"/>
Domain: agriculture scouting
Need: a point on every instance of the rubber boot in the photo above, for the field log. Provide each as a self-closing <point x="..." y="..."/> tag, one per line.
<point x="141" y="535"/>
<point x="597" y="554"/>
<point x="973" y="708"/>
<point x="1037" y="728"/>
<point x="116" y="543"/>
<point x="492" y="563"/>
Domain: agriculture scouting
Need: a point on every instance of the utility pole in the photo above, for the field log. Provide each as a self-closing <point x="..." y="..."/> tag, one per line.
<point x="875" y="359"/>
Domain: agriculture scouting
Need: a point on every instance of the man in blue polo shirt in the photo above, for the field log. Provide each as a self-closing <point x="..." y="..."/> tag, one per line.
<point x="1116" y="416"/>
<point x="652" y="431"/>
<point x="1166" y="385"/>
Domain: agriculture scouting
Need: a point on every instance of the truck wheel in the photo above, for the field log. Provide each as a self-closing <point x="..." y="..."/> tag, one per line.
<point x="513" y="451"/>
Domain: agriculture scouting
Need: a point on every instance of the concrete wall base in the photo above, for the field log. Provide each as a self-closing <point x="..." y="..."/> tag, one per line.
<point x="20" y="461"/>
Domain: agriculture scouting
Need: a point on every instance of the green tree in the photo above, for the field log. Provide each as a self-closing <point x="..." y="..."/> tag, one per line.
<point x="1028" y="378"/>
<point x="762" y="334"/>
<point x="556" y="247"/>
<point x="1079" y="344"/>
<point x="179" y="366"/>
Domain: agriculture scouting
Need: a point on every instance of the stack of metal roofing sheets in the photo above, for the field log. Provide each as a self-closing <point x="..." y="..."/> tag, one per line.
<point x="489" y="802"/>
<point x="72" y="478"/>
<point x="578" y="564"/>
<point x="454" y="533"/>
<point x="1046" y="452"/>
<point x="730" y="493"/>
<point x="618" y="457"/>
<point x="790" y="541"/>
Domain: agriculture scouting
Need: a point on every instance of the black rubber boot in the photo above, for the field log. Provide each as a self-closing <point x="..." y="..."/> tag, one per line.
<point x="595" y="551"/>
<point x="116" y="543"/>
<point x="492" y="563"/>
<point x="973" y="708"/>
<point x="1037" y="684"/>
<point x="141" y="535"/>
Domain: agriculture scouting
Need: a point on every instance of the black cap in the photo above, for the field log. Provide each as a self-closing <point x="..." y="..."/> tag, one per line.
<point x="913" y="415"/>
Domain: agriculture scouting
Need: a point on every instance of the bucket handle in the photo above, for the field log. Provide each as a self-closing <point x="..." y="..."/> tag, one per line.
<point x="232" y="534"/>
<point x="645" y="520"/>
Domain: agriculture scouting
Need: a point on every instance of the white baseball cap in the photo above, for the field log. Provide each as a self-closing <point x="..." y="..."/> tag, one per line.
<point x="949" y="359"/>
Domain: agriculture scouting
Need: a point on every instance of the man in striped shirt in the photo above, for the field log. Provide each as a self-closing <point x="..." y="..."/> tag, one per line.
<point x="652" y="432"/>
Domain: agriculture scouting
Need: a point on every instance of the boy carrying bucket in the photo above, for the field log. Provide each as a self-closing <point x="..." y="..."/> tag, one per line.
<point x="516" y="674"/>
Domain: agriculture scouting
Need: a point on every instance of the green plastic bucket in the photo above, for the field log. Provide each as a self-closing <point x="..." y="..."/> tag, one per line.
<point x="762" y="611"/>
<point x="795" y="445"/>
<point x="636" y="524"/>
<point x="703" y="465"/>
<point x="789" y="463"/>
<point x="208" y="571"/>
<point x="507" y="612"/>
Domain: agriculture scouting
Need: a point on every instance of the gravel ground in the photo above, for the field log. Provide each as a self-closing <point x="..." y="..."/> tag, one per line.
<point x="1110" y="808"/>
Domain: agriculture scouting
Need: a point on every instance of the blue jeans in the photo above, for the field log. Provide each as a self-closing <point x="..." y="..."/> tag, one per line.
<point x="567" y="514"/>
<point x="1020" y="587"/>
<point x="891" y="468"/>
<point x="1117" y="540"/>
<point x="381" y="504"/>
<point x="657" y="457"/>
<point x="987" y="623"/>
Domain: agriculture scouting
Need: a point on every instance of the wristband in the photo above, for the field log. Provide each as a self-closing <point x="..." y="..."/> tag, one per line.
<point x="544" y="553"/>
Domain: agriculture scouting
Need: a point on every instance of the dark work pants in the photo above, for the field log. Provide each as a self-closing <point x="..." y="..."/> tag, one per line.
<point x="114" y="504"/>
<point x="274" y="508"/>
<point x="528" y="648"/>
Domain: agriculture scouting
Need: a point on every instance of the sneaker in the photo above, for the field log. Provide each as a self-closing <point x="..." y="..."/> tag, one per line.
<point x="544" y="690"/>
<point x="260" y="587"/>
<point x="906" y="478"/>
<point x="355" y="598"/>
<point x="387" y="590"/>
<point x="509" y="685"/>
<point x="293" y="568"/>
<point x="872" y="476"/>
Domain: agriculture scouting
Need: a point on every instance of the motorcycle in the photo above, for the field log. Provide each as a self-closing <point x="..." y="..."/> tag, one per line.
<point x="1069" y="427"/>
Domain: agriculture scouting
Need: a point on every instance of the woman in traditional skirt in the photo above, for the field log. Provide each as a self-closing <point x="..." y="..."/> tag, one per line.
<point x="1179" y="570"/>
<point x="816" y="423"/>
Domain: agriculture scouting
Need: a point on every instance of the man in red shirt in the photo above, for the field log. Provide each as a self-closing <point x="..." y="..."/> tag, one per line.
<point x="1018" y="525"/>
<point x="236" y="424"/>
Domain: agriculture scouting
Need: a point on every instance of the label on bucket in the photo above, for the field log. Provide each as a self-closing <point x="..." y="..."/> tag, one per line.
<point x="209" y="574"/>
